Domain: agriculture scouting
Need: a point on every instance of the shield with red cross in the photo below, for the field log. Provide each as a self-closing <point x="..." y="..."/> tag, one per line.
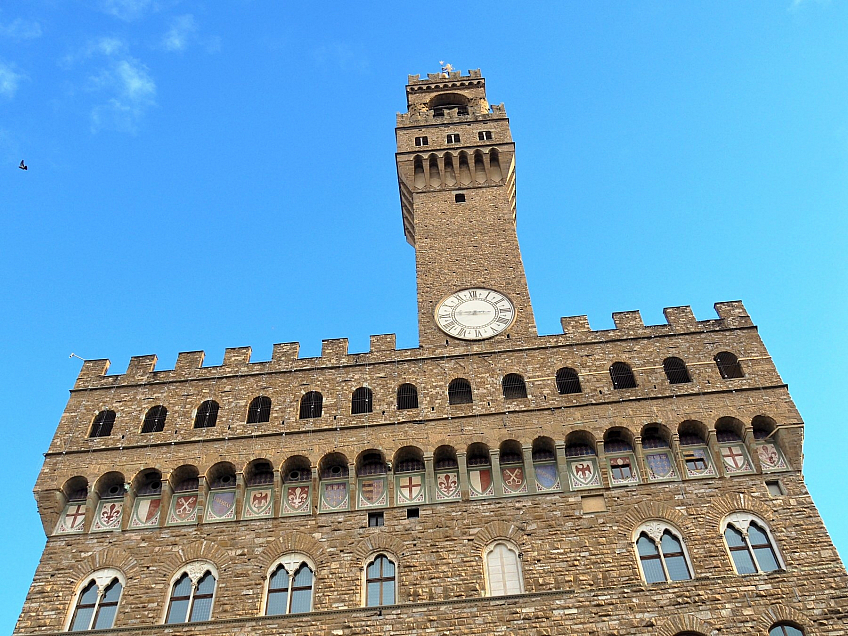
<point x="410" y="489"/>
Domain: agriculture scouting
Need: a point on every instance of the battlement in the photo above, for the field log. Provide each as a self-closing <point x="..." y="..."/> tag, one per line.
<point x="334" y="352"/>
<point x="415" y="80"/>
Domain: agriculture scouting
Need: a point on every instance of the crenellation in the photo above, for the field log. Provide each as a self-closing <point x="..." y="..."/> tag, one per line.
<point x="383" y="342"/>
<point x="680" y="318"/>
<point x="733" y="313"/>
<point x="630" y="321"/>
<point x="91" y="372"/>
<point x="140" y="367"/>
<point x="188" y="361"/>
<point x="285" y="354"/>
<point x="333" y="350"/>
<point x="237" y="357"/>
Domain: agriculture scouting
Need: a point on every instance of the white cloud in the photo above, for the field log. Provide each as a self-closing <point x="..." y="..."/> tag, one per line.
<point x="105" y="45"/>
<point x="341" y="56"/>
<point x="127" y="10"/>
<point x="19" y="29"/>
<point x="10" y="79"/>
<point x="182" y="31"/>
<point x="133" y="92"/>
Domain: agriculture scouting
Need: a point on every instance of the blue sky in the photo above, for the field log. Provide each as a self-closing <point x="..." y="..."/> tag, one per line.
<point x="207" y="175"/>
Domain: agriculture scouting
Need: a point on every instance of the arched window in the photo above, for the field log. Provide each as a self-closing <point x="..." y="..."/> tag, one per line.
<point x="459" y="391"/>
<point x="290" y="586"/>
<point x="380" y="582"/>
<point x="785" y="629"/>
<point x="362" y="401"/>
<point x="728" y="365"/>
<point x="567" y="381"/>
<point x="207" y="415"/>
<point x="407" y="397"/>
<point x="622" y="376"/>
<point x="750" y="544"/>
<point x="97" y="603"/>
<point x="311" y="405"/>
<point x="662" y="556"/>
<point x="192" y="594"/>
<point x="154" y="421"/>
<point x="259" y="410"/>
<point x="503" y="569"/>
<point x="102" y="425"/>
<point x="514" y="387"/>
<point x="675" y="371"/>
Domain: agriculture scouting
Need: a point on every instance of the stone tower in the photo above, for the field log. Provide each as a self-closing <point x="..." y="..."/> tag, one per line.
<point x="645" y="479"/>
<point x="456" y="172"/>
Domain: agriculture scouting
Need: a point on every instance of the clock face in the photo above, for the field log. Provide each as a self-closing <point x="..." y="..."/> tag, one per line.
<point x="475" y="314"/>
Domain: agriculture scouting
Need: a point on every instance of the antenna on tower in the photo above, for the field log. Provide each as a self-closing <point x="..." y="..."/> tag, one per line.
<point x="73" y="355"/>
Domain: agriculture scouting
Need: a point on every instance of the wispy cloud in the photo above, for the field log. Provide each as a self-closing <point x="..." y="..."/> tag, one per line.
<point x="10" y="79"/>
<point x="132" y="92"/>
<point x="19" y="29"/>
<point x="796" y="4"/>
<point x="126" y="10"/>
<point x="104" y="45"/>
<point x="340" y="55"/>
<point x="182" y="31"/>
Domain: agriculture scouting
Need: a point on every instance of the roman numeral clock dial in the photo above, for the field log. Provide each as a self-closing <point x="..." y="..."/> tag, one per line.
<point x="475" y="314"/>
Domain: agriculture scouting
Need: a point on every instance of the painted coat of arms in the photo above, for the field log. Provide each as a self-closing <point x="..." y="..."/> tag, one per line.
<point x="372" y="492"/>
<point x="258" y="502"/>
<point x="513" y="480"/>
<point x="660" y="466"/>
<point x="735" y="459"/>
<point x="447" y="486"/>
<point x="72" y="520"/>
<point x="221" y="505"/>
<point x="623" y="470"/>
<point x="334" y="496"/>
<point x="108" y="516"/>
<point x="297" y="499"/>
<point x="480" y="482"/>
<point x="145" y="512"/>
<point x="770" y="457"/>
<point x="547" y="477"/>
<point x="584" y="473"/>
<point x="183" y="509"/>
<point x="409" y="489"/>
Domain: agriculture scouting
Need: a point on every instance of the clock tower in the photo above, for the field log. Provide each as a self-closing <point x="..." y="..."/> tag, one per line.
<point x="456" y="173"/>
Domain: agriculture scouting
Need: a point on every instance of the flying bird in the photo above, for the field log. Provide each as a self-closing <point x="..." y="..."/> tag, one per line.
<point x="23" y="166"/>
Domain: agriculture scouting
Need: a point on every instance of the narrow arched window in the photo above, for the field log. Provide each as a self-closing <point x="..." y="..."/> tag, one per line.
<point x="191" y="600"/>
<point x="311" y="405"/>
<point x="661" y="555"/>
<point x="622" y="376"/>
<point x="750" y="545"/>
<point x="567" y="381"/>
<point x="290" y="592"/>
<point x="503" y="570"/>
<point x="207" y="414"/>
<point x="154" y="421"/>
<point x="380" y="582"/>
<point x="785" y="629"/>
<point x="96" y="607"/>
<point x="675" y="371"/>
<point x="259" y="410"/>
<point x="459" y="391"/>
<point x="407" y="397"/>
<point x="102" y="425"/>
<point x="728" y="365"/>
<point x="514" y="387"/>
<point x="361" y="401"/>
